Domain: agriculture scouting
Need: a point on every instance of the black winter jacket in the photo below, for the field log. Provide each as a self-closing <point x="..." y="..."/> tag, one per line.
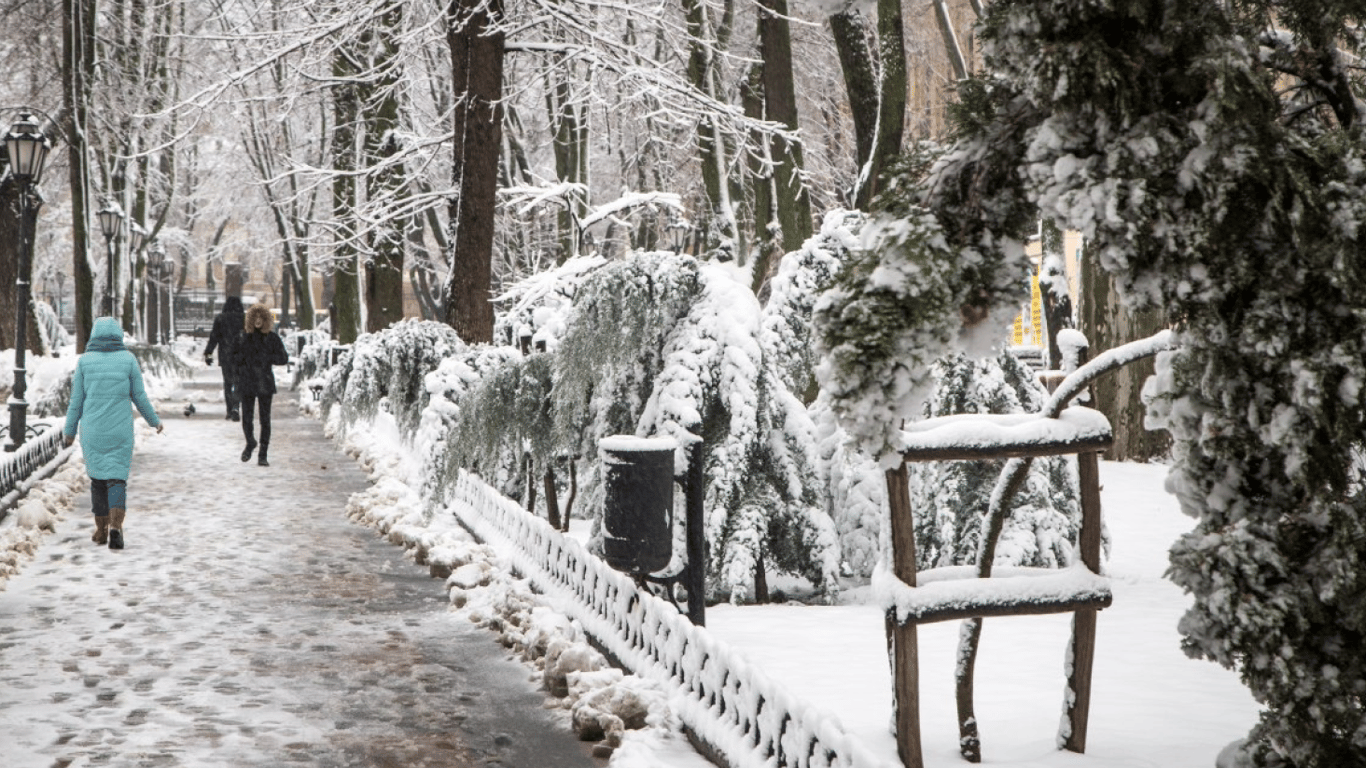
<point x="256" y="353"/>
<point x="227" y="329"/>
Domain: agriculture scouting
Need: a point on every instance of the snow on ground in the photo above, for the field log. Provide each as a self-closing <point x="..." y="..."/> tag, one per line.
<point x="1151" y="706"/>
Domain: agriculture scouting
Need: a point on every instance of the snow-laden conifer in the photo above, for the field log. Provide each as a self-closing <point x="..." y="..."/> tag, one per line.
<point x="802" y="276"/>
<point x="386" y="369"/>
<point x="950" y="499"/>
<point x="1213" y="156"/>
<point x="660" y="344"/>
<point x="939" y="268"/>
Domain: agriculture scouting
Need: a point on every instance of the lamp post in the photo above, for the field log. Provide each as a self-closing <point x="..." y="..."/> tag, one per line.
<point x="27" y="149"/>
<point x="167" y="276"/>
<point x="111" y="222"/>
<point x="154" y="256"/>
<point x="678" y="231"/>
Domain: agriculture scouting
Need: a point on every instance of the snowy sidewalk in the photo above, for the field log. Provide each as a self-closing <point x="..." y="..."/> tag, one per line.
<point x="249" y="623"/>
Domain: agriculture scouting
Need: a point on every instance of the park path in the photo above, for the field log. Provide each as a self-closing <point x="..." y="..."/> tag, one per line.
<point x="249" y="623"/>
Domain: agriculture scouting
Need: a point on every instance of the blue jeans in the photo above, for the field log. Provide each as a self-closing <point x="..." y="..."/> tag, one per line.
<point x="107" y="493"/>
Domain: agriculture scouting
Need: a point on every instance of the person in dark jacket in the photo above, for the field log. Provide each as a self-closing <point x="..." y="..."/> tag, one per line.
<point x="227" y="330"/>
<point x="107" y="378"/>
<point x="259" y="348"/>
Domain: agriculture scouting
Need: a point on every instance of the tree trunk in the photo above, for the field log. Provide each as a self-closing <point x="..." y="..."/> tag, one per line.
<point x="767" y="248"/>
<point x="384" y="273"/>
<point x="780" y="104"/>
<point x="11" y="243"/>
<point x="1107" y="324"/>
<point x="475" y="37"/>
<point x="78" y="61"/>
<point x="891" y="45"/>
<point x="345" y="317"/>
<point x="718" y="223"/>
<point x="850" y="32"/>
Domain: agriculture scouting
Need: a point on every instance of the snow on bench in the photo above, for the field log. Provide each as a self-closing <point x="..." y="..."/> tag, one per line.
<point x="951" y="593"/>
<point x="975" y="436"/>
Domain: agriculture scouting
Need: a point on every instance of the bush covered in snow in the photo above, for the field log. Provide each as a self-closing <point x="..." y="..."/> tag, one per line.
<point x="386" y="369"/>
<point x="939" y="269"/>
<point x="664" y="345"/>
<point x="1212" y="156"/>
<point x="950" y="499"/>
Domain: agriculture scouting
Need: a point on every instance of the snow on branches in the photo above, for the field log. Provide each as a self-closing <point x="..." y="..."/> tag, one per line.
<point x="938" y="270"/>
<point x="661" y="344"/>
<point x="1223" y="182"/>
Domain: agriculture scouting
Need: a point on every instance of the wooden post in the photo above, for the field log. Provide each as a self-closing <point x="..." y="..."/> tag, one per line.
<point x="1083" y="650"/>
<point x="902" y="650"/>
<point x="552" y="500"/>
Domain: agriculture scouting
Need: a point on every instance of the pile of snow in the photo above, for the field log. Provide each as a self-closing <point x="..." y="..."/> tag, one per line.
<point x="37" y="514"/>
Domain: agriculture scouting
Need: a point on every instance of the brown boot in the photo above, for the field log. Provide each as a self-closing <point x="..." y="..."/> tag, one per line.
<point x="101" y="534"/>
<point x="116" y="527"/>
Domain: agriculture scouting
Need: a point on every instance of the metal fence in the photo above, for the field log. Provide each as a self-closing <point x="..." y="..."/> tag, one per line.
<point x="36" y="458"/>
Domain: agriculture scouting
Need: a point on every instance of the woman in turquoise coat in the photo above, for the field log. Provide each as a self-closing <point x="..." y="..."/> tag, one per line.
<point x="107" y="378"/>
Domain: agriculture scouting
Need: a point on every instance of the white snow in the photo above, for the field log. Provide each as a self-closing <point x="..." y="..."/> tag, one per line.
<point x="1151" y="706"/>
<point x="984" y="431"/>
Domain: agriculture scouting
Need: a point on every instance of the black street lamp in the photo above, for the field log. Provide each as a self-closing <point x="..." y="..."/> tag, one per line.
<point x="27" y="149"/>
<point x="111" y="222"/>
<point x="167" y="277"/>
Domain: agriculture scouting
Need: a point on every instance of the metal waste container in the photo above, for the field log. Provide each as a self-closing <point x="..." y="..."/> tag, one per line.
<point x="637" y="518"/>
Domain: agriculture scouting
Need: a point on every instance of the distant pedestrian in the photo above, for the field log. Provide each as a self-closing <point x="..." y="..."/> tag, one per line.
<point x="227" y="331"/>
<point x="259" y="349"/>
<point x="107" y="377"/>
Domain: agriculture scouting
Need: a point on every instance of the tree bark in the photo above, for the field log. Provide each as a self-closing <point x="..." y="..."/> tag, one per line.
<point x="78" y="61"/>
<point x="850" y="32"/>
<point x="384" y="283"/>
<point x="345" y="317"/>
<point x="1107" y="324"/>
<point x="475" y="37"/>
<point x="891" y="45"/>
<point x="780" y="103"/>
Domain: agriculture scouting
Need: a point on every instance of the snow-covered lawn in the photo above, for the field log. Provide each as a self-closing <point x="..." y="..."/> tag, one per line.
<point x="1150" y="705"/>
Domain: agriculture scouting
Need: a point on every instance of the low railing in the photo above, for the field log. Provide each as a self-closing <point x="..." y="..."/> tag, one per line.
<point x="733" y="708"/>
<point x="35" y="459"/>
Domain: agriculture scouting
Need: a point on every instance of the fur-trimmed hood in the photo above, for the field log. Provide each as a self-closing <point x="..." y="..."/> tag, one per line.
<point x="259" y="318"/>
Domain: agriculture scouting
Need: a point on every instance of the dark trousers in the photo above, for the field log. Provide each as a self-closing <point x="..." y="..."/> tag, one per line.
<point x="230" y="397"/>
<point x="249" y="403"/>
<point x="107" y="493"/>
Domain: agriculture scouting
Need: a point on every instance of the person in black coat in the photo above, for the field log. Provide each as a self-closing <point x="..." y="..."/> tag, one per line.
<point x="227" y="329"/>
<point x="259" y="348"/>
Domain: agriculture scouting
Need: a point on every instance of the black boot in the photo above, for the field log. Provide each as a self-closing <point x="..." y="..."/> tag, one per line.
<point x="261" y="457"/>
<point x="251" y="446"/>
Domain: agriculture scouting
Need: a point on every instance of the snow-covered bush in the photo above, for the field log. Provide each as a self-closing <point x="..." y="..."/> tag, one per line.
<point x="1214" y="162"/>
<point x="950" y="499"/>
<point x="802" y="276"/>
<point x="310" y="352"/>
<point x="448" y="389"/>
<point x="387" y="367"/>
<point x="50" y="328"/>
<point x="939" y="269"/>
<point x="662" y="345"/>
<point x="540" y="304"/>
<point x="509" y="419"/>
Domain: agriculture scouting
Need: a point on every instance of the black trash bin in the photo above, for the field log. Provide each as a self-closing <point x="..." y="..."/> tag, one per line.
<point x="637" y="517"/>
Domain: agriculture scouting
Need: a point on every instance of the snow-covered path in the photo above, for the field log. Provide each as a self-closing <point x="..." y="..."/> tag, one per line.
<point x="248" y="623"/>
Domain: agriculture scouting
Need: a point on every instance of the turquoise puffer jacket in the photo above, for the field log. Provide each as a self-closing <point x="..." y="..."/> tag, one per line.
<point x="107" y="379"/>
